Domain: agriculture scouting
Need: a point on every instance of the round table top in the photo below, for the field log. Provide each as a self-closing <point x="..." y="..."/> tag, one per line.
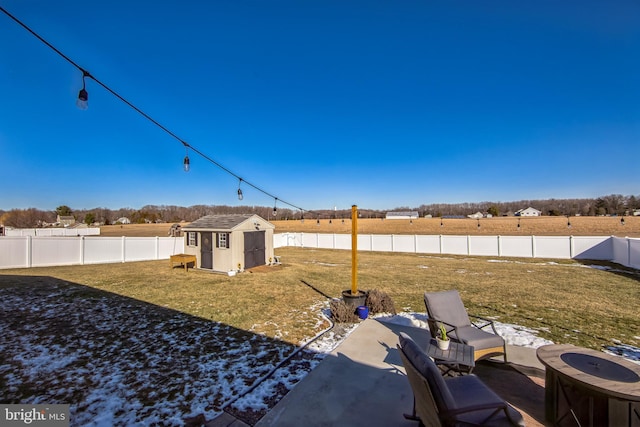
<point x="605" y="373"/>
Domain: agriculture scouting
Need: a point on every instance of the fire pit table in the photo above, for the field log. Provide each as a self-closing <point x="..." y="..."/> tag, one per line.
<point x="585" y="387"/>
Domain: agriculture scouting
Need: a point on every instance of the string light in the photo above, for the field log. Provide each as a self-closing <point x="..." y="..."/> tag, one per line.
<point x="518" y="224"/>
<point x="568" y="222"/>
<point x="621" y="221"/>
<point x="441" y="223"/>
<point x="83" y="98"/>
<point x="240" y="196"/>
<point x="478" y="223"/>
<point x="275" y="210"/>
<point x="186" y="163"/>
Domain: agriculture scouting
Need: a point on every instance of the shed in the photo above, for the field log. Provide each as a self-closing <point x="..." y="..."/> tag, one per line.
<point x="402" y="215"/>
<point x="229" y="242"/>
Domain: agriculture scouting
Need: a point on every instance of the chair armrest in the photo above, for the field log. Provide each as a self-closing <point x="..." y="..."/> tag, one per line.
<point x="487" y="322"/>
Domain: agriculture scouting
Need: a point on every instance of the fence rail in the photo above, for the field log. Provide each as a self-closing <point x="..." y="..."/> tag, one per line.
<point x="36" y="251"/>
<point x="624" y="251"/>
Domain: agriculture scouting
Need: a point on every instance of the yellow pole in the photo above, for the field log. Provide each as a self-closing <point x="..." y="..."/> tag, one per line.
<point x="354" y="250"/>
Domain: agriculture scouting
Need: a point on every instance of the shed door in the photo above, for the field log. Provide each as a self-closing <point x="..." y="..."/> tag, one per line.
<point x="254" y="248"/>
<point x="206" y="250"/>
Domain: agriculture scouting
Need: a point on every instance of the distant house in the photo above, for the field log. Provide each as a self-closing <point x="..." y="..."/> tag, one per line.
<point x="476" y="215"/>
<point x="123" y="220"/>
<point x="402" y="215"/>
<point x="66" y="220"/>
<point x="528" y="212"/>
<point x="230" y="242"/>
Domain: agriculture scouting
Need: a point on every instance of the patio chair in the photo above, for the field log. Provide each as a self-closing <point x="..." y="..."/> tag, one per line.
<point x="447" y="308"/>
<point x="451" y="401"/>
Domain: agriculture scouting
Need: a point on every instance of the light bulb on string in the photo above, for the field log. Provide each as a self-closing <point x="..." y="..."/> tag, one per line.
<point x="186" y="164"/>
<point x="240" y="196"/>
<point x="518" y="224"/>
<point x="568" y="222"/>
<point x="478" y="224"/>
<point x="275" y="209"/>
<point x="83" y="96"/>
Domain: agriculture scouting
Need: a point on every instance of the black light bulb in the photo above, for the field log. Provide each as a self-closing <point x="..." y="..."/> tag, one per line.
<point x="186" y="164"/>
<point x="83" y="99"/>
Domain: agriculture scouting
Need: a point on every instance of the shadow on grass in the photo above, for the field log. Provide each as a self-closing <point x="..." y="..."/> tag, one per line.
<point x="121" y="361"/>
<point x="611" y="267"/>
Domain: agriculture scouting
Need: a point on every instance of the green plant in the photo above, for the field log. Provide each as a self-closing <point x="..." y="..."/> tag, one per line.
<point x="443" y="333"/>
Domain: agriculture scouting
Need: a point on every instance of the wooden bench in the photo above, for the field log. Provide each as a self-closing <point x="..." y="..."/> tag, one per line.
<point x="183" y="259"/>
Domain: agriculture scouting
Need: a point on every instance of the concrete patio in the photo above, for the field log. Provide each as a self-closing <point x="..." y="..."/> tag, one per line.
<point x="362" y="383"/>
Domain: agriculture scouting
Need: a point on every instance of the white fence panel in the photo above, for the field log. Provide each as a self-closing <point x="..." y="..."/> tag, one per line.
<point x="381" y="243"/>
<point x="141" y="249"/>
<point x="623" y="251"/>
<point x="516" y="246"/>
<point x="48" y="232"/>
<point x="634" y="253"/>
<point x="28" y="251"/>
<point x="364" y="242"/>
<point x="170" y="246"/>
<point x="455" y="245"/>
<point x="310" y="240"/>
<point x="428" y="244"/>
<point x="626" y="251"/>
<point x="98" y="250"/>
<point x="592" y="247"/>
<point x="552" y="247"/>
<point x="403" y="243"/>
<point x="14" y="252"/>
<point x="48" y="251"/>
<point x="343" y="241"/>
<point x="325" y="241"/>
<point x="484" y="245"/>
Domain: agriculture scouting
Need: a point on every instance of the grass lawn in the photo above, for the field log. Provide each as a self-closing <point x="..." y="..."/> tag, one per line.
<point x="143" y="341"/>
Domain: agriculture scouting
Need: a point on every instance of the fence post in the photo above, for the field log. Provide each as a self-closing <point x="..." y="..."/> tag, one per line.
<point x="440" y="243"/>
<point x="29" y="252"/>
<point x="468" y="244"/>
<point x="123" y="247"/>
<point x="415" y="243"/>
<point x="571" y="247"/>
<point x="533" y="246"/>
<point x="393" y="248"/>
<point x="158" y="247"/>
<point x="81" y="250"/>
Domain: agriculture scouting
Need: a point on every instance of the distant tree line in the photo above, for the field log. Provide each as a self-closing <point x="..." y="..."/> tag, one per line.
<point x="614" y="204"/>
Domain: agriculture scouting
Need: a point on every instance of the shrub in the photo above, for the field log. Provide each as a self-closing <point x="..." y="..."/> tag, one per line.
<point x="342" y="312"/>
<point x="379" y="302"/>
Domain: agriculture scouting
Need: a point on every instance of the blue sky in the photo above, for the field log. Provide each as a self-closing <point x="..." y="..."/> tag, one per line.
<point x="321" y="103"/>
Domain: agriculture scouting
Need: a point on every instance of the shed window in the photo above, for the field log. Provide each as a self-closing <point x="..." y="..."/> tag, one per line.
<point x="192" y="239"/>
<point x="223" y="240"/>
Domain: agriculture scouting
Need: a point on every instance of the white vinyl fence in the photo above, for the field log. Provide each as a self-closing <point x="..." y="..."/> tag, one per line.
<point x="36" y="251"/>
<point x="89" y="231"/>
<point x="30" y="251"/>
<point x="624" y="251"/>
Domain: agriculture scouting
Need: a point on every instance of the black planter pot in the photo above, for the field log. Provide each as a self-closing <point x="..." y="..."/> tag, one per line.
<point x="354" y="300"/>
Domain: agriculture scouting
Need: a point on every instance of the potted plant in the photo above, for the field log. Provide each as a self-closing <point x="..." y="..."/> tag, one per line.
<point x="442" y="338"/>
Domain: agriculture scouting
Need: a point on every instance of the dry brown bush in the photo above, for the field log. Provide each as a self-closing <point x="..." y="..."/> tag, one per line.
<point x="342" y="312"/>
<point x="379" y="302"/>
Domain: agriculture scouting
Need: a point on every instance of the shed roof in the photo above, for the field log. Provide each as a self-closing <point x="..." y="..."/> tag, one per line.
<point x="220" y="222"/>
